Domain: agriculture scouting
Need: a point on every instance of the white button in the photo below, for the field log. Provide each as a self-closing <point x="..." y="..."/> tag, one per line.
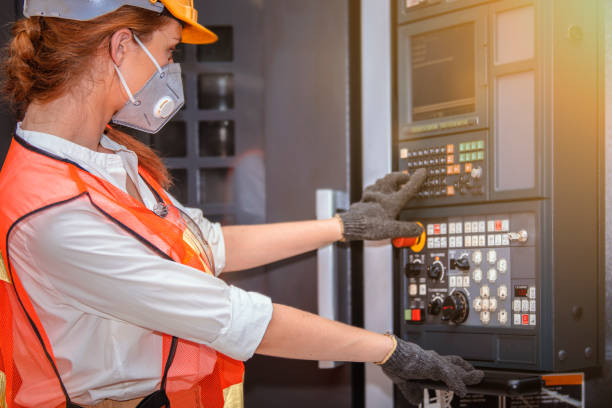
<point x="524" y="305"/>
<point x="477" y="275"/>
<point x="443" y="229"/>
<point x="413" y="289"/>
<point x="459" y="242"/>
<point x="491" y="226"/>
<point x="451" y="242"/>
<point x="468" y="241"/>
<point x="452" y="281"/>
<point x="485" y="304"/>
<point x="485" y="317"/>
<point x="492" y="275"/>
<point x="430" y="242"/>
<point x="466" y="281"/>
<point x="484" y="291"/>
<point x="468" y="227"/>
<point x="505" y="240"/>
<point x="502" y="316"/>
<point x="474" y="226"/>
<point x="403" y="153"/>
<point x="443" y="242"/>
<point x="459" y="281"/>
<point x="502" y="292"/>
<point x="481" y="226"/>
<point x="451" y="228"/>
<point x="517" y="319"/>
<point x="436" y="242"/>
<point x="532" y="306"/>
<point x="493" y="304"/>
<point x="532" y="320"/>
<point x="502" y="265"/>
<point x="532" y="292"/>
<point x="481" y="240"/>
<point x="516" y="305"/>
<point x="477" y="257"/>
<point x="505" y="225"/>
<point x="422" y="289"/>
<point x="492" y="256"/>
<point x="477" y="304"/>
<point x="458" y="228"/>
<point x="474" y="240"/>
<point x="498" y="239"/>
<point x="491" y="240"/>
<point x="430" y="229"/>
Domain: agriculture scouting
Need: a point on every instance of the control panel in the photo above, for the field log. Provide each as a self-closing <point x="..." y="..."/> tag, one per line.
<point x="464" y="276"/>
<point x="456" y="172"/>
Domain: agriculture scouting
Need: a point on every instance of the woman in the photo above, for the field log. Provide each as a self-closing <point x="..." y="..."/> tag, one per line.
<point x="110" y="295"/>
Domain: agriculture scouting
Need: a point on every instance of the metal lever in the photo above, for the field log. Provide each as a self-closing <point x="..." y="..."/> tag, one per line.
<point x="522" y="236"/>
<point x="328" y="203"/>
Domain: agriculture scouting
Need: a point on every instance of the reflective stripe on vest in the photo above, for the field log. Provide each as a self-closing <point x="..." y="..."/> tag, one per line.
<point x="34" y="181"/>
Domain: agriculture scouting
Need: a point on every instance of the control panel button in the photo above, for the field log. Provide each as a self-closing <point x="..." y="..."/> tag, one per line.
<point x="517" y="319"/>
<point x="524" y="305"/>
<point x="505" y="240"/>
<point x="491" y="226"/>
<point x="485" y="291"/>
<point x="459" y="228"/>
<point x="491" y="240"/>
<point x="516" y="305"/>
<point x="485" y="317"/>
<point x="477" y="275"/>
<point x="532" y="292"/>
<point x="502" y="265"/>
<point x="466" y="281"/>
<point x="422" y="289"/>
<point x="502" y="316"/>
<point x="502" y="292"/>
<point x="452" y="281"/>
<point x="413" y="289"/>
<point x="492" y="256"/>
<point x="532" y="306"/>
<point x="468" y="228"/>
<point x="492" y="275"/>
<point x="451" y="228"/>
<point x="525" y="319"/>
<point x="477" y="304"/>
<point x="532" y="320"/>
<point x="485" y="304"/>
<point x="477" y="257"/>
<point x="468" y="241"/>
<point x="493" y="304"/>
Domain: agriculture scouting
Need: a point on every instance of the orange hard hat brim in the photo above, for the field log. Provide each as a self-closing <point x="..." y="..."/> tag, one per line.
<point x="193" y="33"/>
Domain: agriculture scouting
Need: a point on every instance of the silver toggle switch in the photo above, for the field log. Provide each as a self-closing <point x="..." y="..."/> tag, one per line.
<point x="520" y="236"/>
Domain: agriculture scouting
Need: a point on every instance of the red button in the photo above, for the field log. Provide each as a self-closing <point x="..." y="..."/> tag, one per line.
<point x="416" y="315"/>
<point x="437" y="229"/>
<point x="498" y="225"/>
<point x="525" y="319"/>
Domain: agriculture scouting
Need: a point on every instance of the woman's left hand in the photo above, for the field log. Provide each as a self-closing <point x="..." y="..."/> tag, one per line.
<point x="375" y="216"/>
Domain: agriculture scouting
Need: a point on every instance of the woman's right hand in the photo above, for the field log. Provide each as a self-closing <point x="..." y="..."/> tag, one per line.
<point x="410" y="362"/>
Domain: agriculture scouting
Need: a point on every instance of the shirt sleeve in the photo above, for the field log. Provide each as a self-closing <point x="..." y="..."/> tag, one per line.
<point x="212" y="232"/>
<point x="102" y="270"/>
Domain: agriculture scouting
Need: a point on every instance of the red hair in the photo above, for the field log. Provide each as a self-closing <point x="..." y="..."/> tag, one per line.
<point x="47" y="55"/>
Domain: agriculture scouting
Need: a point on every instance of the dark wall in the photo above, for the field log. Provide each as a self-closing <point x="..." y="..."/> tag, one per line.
<point x="7" y="121"/>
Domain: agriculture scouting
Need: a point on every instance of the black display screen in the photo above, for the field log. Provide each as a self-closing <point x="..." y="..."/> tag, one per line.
<point x="443" y="73"/>
<point x="520" y="291"/>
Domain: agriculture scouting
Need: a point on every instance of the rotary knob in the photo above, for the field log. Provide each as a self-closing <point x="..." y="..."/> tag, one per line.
<point x="436" y="270"/>
<point x="435" y="307"/>
<point x="455" y="308"/>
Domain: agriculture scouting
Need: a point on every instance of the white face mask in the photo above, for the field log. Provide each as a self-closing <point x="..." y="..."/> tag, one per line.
<point x="158" y="100"/>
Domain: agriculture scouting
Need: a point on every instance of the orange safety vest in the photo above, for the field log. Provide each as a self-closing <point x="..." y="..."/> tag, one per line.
<point x="31" y="181"/>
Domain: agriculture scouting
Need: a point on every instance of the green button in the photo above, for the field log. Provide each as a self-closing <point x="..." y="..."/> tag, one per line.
<point x="408" y="314"/>
<point x="480" y="155"/>
<point x="474" y="145"/>
<point x="474" y="156"/>
<point x="462" y="157"/>
<point x="462" y="147"/>
<point x="480" y="144"/>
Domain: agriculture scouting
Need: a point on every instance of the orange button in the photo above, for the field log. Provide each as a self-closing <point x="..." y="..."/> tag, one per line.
<point x="416" y="315"/>
<point x="450" y="190"/>
<point x="450" y="159"/>
<point x="449" y="170"/>
<point x="450" y="148"/>
<point x="457" y="169"/>
<point x="468" y="167"/>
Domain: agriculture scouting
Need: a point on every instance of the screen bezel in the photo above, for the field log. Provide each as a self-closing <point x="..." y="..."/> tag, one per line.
<point x="478" y="119"/>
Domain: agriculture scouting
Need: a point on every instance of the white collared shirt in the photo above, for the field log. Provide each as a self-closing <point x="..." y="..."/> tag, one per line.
<point x="102" y="295"/>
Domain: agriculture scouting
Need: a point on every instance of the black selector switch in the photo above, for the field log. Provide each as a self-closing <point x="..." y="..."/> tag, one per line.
<point x="414" y="269"/>
<point x="436" y="270"/>
<point x="435" y="307"/>
<point x="462" y="263"/>
<point x="454" y="308"/>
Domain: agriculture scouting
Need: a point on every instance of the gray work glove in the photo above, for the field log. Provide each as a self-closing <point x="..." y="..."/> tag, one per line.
<point x="375" y="216"/>
<point x="410" y="362"/>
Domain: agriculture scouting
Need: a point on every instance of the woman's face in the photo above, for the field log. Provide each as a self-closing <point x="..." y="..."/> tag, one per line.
<point x="135" y="65"/>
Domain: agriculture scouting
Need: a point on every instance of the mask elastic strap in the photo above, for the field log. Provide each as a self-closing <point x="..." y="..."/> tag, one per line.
<point x="159" y="69"/>
<point x="125" y="86"/>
